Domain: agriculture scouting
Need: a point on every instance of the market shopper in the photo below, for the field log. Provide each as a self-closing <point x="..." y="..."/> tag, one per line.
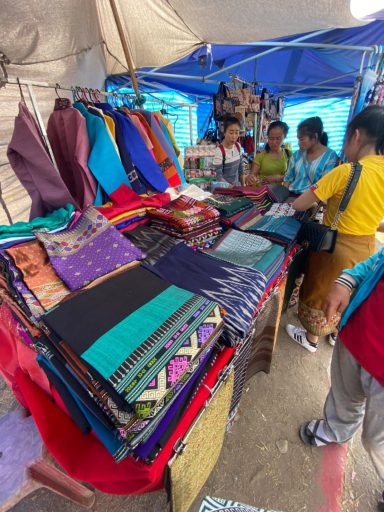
<point x="270" y="165"/>
<point x="312" y="160"/>
<point x="356" y="396"/>
<point x="227" y="162"/>
<point x="356" y="227"/>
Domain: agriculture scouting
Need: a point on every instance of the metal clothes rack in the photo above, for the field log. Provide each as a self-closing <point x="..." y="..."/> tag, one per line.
<point x="31" y="84"/>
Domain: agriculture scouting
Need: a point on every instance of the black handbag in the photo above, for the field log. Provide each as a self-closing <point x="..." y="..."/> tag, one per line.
<point x="317" y="237"/>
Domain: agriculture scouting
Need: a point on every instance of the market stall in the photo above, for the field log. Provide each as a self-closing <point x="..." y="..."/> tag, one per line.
<point x="133" y="306"/>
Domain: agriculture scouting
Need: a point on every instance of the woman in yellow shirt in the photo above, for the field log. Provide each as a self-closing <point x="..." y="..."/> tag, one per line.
<point x="271" y="164"/>
<point x="356" y="228"/>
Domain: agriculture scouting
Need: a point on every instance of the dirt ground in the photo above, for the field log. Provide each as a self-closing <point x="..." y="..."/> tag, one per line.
<point x="251" y="468"/>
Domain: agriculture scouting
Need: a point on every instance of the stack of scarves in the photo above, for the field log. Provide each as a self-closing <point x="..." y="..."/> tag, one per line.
<point x="230" y="208"/>
<point x="259" y="197"/>
<point x="193" y="221"/>
<point x="127" y="210"/>
<point x="238" y="290"/>
<point x="282" y="230"/>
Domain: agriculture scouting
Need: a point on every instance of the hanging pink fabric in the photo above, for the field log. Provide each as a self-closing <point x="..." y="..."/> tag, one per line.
<point x="32" y="165"/>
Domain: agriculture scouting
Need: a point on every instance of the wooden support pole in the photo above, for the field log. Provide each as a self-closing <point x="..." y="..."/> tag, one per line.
<point x="124" y="44"/>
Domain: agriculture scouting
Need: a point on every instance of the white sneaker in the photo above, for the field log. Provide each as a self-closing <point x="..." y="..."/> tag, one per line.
<point x="299" y="335"/>
<point x="332" y="339"/>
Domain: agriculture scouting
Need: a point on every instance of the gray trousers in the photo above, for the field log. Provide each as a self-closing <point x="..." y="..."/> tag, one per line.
<point x="355" y="399"/>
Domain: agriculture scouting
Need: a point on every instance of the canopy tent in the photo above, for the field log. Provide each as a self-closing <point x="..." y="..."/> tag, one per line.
<point x="324" y="63"/>
<point x="46" y="40"/>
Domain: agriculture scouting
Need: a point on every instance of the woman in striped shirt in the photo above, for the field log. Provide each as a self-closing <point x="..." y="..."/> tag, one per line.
<point x="313" y="160"/>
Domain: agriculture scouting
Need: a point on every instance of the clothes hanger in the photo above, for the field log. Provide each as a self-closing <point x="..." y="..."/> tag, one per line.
<point x="57" y="87"/>
<point x="21" y="91"/>
<point x="89" y="99"/>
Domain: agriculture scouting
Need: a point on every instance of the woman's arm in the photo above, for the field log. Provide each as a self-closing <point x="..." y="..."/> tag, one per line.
<point x="277" y="178"/>
<point x="255" y="169"/>
<point x="305" y="201"/>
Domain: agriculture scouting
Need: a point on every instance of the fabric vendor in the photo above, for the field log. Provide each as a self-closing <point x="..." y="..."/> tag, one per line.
<point x="227" y="161"/>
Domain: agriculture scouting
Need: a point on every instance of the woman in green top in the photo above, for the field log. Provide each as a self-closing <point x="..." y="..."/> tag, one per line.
<point x="271" y="164"/>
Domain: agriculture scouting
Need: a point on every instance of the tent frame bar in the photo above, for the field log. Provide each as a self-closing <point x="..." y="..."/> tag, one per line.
<point x="274" y="48"/>
<point x="294" y="44"/>
<point x="199" y="78"/>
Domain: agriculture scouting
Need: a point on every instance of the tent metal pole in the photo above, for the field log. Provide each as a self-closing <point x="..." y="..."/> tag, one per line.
<point x="190" y="126"/>
<point x="362" y="63"/>
<point x="198" y="78"/>
<point x="275" y="48"/>
<point x="318" y="83"/>
<point x="41" y="125"/>
<point x="124" y="44"/>
<point x="293" y="44"/>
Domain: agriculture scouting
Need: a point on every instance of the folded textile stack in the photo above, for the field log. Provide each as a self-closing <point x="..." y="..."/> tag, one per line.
<point x="236" y="289"/>
<point x="259" y="196"/>
<point x="127" y="210"/>
<point x="193" y="221"/>
<point x="282" y="230"/>
<point x="244" y="249"/>
<point x="124" y="369"/>
<point x="229" y="207"/>
<point x="271" y="263"/>
<point x="23" y="231"/>
<point x="249" y="250"/>
<point x="120" y="365"/>
<point x="41" y="272"/>
<point x="244" y="220"/>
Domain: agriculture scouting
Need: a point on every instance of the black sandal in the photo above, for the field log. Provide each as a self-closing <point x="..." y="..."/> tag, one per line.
<point x="310" y="438"/>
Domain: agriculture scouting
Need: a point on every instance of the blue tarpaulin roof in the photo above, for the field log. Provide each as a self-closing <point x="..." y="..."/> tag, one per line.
<point x="294" y="67"/>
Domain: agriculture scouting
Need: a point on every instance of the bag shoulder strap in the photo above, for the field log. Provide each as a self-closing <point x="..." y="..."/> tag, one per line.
<point x="237" y="144"/>
<point x="222" y="149"/>
<point x="353" y="179"/>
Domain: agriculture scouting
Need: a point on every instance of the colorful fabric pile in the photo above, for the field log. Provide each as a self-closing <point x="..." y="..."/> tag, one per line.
<point x="24" y="231"/>
<point x="116" y="335"/>
<point x="125" y="370"/>
<point x="259" y="197"/>
<point x="282" y="230"/>
<point x="193" y="221"/>
<point x="230" y="208"/>
<point x="127" y="210"/>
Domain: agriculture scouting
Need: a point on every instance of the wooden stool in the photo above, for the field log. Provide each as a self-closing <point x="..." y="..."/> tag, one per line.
<point x="24" y="465"/>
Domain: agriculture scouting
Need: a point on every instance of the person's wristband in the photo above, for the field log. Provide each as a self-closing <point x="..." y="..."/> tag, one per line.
<point x="346" y="281"/>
